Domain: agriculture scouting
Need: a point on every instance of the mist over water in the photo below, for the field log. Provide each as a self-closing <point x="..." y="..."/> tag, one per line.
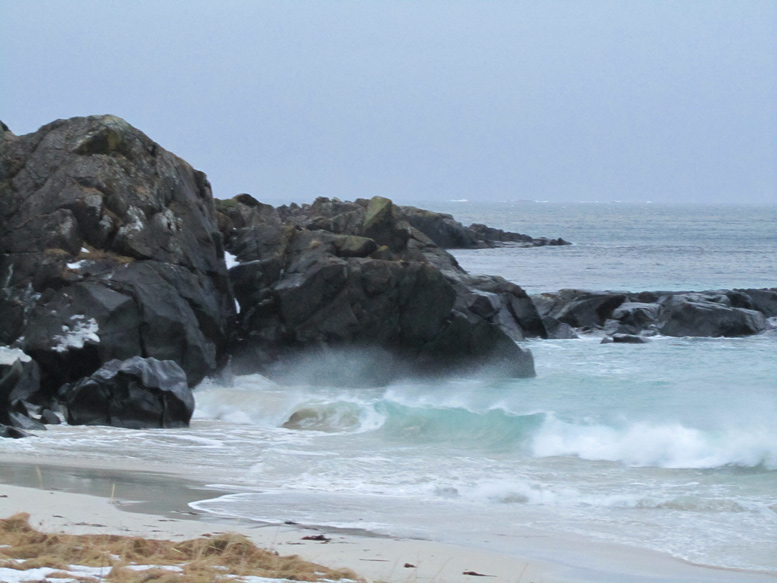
<point x="669" y="446"/>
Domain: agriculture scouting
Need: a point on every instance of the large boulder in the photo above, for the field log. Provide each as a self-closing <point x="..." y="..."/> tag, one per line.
<point x="109" y="248"/>
<point x="358" y="278"/>
<point x="136" y="393"/>
<point x="701" y="315"/>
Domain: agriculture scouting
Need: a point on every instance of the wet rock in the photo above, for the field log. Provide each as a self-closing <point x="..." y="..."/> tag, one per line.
<point x="19" y="382"/>
<point x="624" y="339"/>
<point x="442" y="229"/>
<point x="105" y="238"/>
<point x="558" y="330"/>
<point x="136" y="393"/>
<point x="581" y="308"/>
<point x="338" y="276"/>
<point x="762" y="300"/>
<point x="707" y="313"/>
<point x="12" y="432"/>
<point x="639" y="315"/>
<point x="700" y="315"/>
<point x="48" y="417"/>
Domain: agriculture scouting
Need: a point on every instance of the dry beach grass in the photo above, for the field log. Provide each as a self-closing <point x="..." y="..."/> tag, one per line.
<point x="213" y="559"/>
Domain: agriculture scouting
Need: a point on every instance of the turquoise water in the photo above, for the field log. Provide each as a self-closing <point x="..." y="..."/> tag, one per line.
<point x="669" y="446"/>
<point x="620" y="443"/>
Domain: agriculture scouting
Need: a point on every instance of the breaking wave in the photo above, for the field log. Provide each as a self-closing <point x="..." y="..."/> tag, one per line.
<point x="393" y="416"/>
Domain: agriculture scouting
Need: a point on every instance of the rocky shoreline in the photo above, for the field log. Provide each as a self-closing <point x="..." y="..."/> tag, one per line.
<point x="124" y="283"/>
<point x="627" y="316"/>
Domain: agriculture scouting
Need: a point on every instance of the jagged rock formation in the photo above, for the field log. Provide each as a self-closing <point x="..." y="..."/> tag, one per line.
<point x="342" y="275"/>
<point x="109" y="249"/>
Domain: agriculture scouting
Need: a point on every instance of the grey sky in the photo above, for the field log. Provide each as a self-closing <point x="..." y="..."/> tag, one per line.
<point x="419" y="100"/>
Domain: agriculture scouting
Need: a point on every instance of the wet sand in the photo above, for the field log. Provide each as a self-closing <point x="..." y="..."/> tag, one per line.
<point x="130" y="501"/>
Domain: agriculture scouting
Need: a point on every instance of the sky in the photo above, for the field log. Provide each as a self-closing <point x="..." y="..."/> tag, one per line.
<point x="419" y="100"/>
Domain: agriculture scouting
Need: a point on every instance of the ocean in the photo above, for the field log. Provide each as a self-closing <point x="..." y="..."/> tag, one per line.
<point x="669" y="446"/>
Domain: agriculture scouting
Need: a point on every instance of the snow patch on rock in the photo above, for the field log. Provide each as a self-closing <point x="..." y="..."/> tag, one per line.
<point x="76" y="334"/>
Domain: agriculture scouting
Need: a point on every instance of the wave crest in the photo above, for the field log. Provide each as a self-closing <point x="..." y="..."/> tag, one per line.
<point x="657" y="445"/>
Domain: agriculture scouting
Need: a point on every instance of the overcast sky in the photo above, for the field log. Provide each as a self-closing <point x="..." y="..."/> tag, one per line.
<point x="419" y="100"/>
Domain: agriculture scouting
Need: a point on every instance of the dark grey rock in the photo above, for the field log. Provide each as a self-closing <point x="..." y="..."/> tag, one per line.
<point x="358" y="278"/>
<point x="694" y="315"/>
<point x="106" y="239"/>
<point x="135" y="393"/>
<point x="706" y="313"/>
<point x="558" y="330"/>
<point x="12" y="432"/>
<point x="589" y="309"/>
<point x="639" y="315"/>
<point x="19" y="382"/>
<point x="48" y="417"/>
<point x="624" y="339"/>
<point x="762" y="300"/>
<point x="442" y="229"/>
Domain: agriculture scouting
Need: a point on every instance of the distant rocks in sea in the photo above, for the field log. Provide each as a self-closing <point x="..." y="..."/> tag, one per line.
<point x="624" y="315"/>
<point x="448" y="233"/>
<point x="116" y="298"/>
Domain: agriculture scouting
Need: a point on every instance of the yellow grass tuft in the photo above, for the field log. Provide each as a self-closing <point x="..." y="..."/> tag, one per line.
<point x="214" y="559"/>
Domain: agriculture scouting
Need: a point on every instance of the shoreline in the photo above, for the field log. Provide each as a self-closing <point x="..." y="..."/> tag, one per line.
<point x="108" y="499"/>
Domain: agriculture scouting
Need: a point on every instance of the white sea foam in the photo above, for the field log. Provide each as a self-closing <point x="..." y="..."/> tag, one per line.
<point x="666" y="445"/>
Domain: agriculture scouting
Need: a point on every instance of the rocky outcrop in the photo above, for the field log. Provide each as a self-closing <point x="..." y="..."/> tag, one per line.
<point x="335" y="275"/>
<point x="491" y="237"/>
<point x="710" y="313"/>
<point x="338" y="216"/>
<point x="136" y="393"/>
<point x="448" y="233"/>
<point x="109" y="249"/>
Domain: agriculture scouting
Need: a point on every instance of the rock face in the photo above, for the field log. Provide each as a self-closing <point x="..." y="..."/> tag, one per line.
<point x="109" y="249"/>
<point x="136" y="393"/>
<point x="709" y="313"/>
<point x="336" y="275"/>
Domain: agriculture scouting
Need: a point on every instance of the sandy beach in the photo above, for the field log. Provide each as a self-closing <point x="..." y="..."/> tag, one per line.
<point x="130" y="501"/>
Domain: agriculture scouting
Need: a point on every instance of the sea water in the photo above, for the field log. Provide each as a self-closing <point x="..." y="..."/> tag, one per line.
<point x="669" y="446"/>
